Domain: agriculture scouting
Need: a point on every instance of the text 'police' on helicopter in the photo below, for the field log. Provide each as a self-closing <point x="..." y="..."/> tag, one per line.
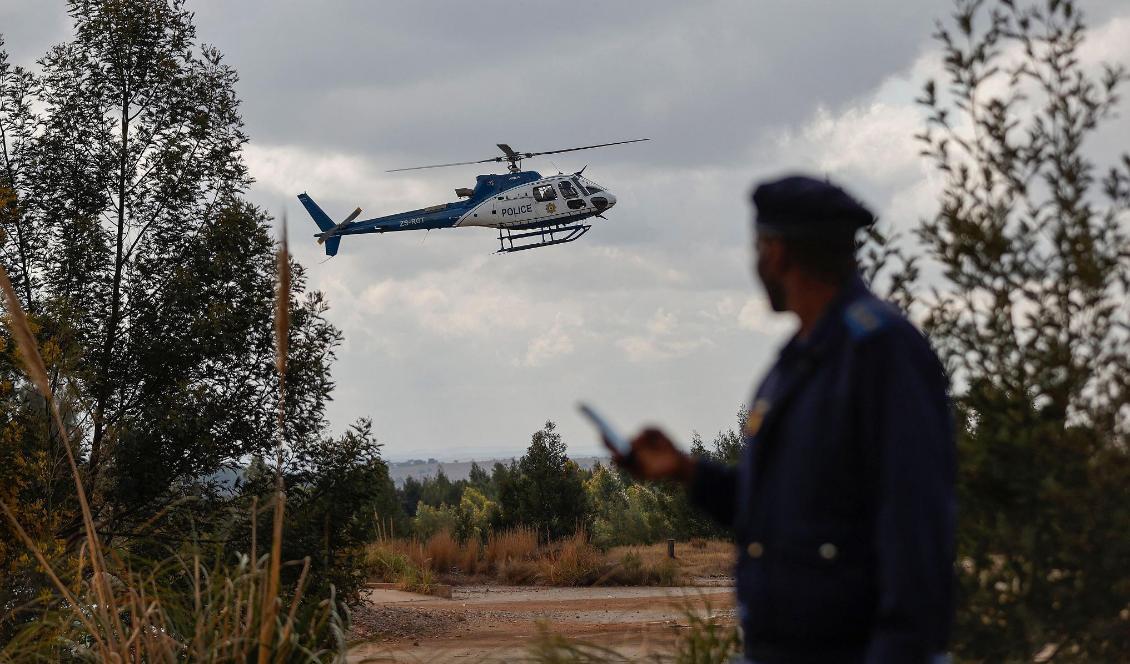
<point x="529" y="210"/>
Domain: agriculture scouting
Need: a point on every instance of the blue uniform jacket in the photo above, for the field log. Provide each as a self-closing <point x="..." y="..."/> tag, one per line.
<point x="843" y="502"/>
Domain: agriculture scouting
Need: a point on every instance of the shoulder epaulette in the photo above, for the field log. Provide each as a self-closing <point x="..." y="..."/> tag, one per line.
<point x="865" y="317"/>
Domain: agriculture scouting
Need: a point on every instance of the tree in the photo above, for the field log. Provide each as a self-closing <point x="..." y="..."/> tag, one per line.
<point x="1031" y="319"/>
<point x="410" y="495"/>
<point x="150" y="279"/>
<point x="339" y="494"/>
<point x="544" y="490"/>
<point x="476" y="512"/>
<point x="480" y="480"/>
<point x="440" y="490"/>
<point x="17" y="132"/>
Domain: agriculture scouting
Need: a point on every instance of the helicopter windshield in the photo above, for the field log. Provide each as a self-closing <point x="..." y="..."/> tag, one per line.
<point x="590" y="187"/>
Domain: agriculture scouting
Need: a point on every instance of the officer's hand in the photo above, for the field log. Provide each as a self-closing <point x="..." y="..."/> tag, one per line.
<point x="655" y="457"/>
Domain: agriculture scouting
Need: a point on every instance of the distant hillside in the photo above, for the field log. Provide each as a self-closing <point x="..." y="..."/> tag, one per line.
<point x="459" y="470"/>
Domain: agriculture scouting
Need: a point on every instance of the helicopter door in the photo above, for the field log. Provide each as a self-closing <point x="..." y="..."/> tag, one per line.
<point x="516" y="207"/>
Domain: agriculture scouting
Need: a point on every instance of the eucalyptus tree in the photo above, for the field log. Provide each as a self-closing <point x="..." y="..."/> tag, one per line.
<point x="1031" y="313"/>
<point x="149" y="274"/>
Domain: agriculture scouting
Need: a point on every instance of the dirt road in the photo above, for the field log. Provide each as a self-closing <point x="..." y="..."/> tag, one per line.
<point x="498" y="623"/>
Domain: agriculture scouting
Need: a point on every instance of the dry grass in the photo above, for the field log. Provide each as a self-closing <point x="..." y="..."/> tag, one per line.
<point x="442" y="551"/>
<point x="516" y="544"/>
<point x="514" y="557"/>
<point x="573" y="562"/>
<point x="701" y="558"/>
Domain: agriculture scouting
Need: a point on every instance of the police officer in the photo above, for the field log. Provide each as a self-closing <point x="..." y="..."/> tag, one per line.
<point x="842" y="505"/>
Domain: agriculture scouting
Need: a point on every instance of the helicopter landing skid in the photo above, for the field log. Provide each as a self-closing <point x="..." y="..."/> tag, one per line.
<point x="542" y="237"/>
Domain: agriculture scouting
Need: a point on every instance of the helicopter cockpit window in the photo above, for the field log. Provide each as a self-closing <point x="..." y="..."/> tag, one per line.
<point x="567" y="189"/>
<point x="544" y="193"/>
<point x="590" y="187"/>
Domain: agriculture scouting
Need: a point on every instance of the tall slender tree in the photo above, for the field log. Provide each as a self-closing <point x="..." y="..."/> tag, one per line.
<point x="1032" y="316"/>
<point x="151" y="277"/>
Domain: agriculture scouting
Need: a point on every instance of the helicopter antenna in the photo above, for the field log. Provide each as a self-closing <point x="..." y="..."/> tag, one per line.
<point x="514" y="158"/>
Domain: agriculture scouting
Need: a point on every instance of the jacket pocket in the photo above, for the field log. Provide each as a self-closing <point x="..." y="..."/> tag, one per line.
<point x="822" y="587"/>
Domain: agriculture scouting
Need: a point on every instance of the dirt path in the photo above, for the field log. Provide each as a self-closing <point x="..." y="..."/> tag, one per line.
<point x="498" y="623"/>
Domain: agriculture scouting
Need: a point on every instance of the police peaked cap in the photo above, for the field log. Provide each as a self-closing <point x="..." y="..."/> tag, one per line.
<point x="801" y="206"/>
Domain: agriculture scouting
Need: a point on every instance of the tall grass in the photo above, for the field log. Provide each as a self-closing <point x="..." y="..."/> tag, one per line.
<point x="517" y="544"/>
<point x="574" y="562"/>
<point x="515" y="557"/>
<point x="181" y="609"/>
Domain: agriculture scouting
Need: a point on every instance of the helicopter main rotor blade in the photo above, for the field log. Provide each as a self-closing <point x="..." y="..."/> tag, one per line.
<point x="457" y="163"/>
<point x="513" y="156"/>
<point x="586" y="147"/>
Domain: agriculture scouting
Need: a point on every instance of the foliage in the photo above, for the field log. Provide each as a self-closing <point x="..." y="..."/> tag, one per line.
<point x="481" y="481"/>
<point x="626" y="512"/>
<point x="431" y="520"/>
<point x="1031" y="318"/>
<point x="192" y="606"/>
<point x="150" y="284"/>
<point x="149" y="278"/>
<point x="339" y="494"/>
<point x="440" y="490"/>
<point x="475" y="514"/>
<point x="116" y="607"/>
<point x="544" y="490"/>
<point x="409" y="494"/>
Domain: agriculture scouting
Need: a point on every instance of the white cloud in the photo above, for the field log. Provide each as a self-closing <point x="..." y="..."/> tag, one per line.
<point x="554" y="343"/>
<point x="287" y="170"/>
<point x="757" y="316"/>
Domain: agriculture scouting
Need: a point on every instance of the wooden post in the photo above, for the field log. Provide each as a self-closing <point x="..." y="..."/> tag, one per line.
<point x="670" y="548"/>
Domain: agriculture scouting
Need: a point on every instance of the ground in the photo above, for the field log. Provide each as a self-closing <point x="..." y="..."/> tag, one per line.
<point x="498" y="623"/>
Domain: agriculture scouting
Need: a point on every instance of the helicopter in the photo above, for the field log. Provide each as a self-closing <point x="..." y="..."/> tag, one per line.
<point x="529" y="211"/>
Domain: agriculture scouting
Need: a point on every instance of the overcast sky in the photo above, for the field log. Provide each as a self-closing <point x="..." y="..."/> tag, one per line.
<point x="456" y="352"/>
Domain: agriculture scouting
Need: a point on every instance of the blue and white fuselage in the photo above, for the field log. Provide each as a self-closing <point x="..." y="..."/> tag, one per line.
<point x="511" y="201"/>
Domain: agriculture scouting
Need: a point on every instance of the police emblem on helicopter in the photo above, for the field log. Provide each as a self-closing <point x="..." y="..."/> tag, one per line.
<point x="507" y="202"/>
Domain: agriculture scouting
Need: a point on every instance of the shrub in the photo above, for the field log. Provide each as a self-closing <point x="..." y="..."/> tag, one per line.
<point x="575" y="562"/>
<point x="417" y="580"/>
<point x="431" y="520"/>
<point x="385" y="564"/>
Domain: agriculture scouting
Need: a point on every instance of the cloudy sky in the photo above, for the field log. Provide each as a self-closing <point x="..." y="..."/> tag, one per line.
<point x="456" y="352"/>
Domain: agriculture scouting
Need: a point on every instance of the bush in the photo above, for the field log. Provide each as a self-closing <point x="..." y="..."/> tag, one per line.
<point x="575" y="562"/>
<point x="632" y="571"/>
<point x="431" y="520"/>
<point x="386" y="565"/>
<point x="417" y="580"/>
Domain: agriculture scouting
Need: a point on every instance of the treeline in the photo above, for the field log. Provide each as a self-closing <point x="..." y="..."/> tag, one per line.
<point x="547" y="492"/>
